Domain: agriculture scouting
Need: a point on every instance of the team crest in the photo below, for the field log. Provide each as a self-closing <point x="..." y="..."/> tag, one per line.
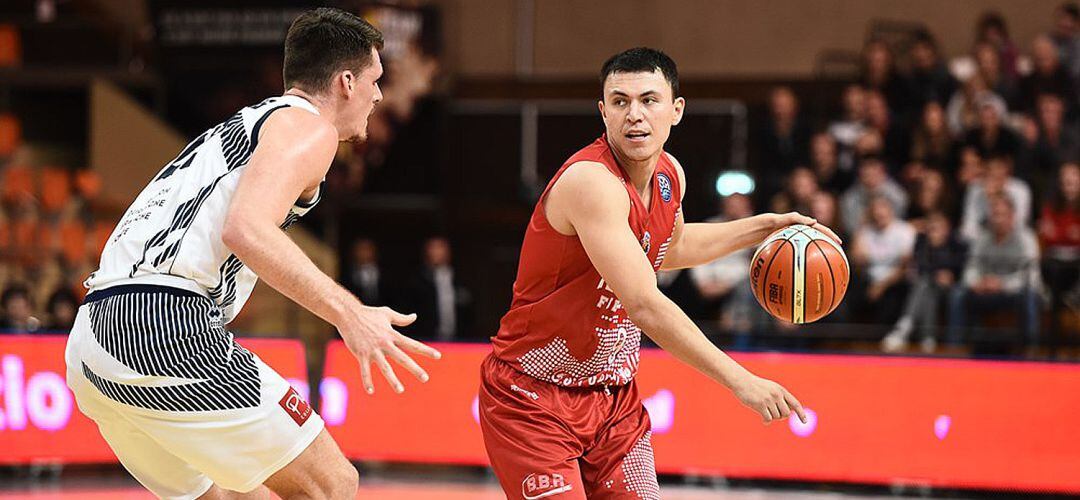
<point x="646" y="242"/>
<point x="665" y="186"/>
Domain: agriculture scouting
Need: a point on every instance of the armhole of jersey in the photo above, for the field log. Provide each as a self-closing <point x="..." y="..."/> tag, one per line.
<point x="677" y="180"/>
<point x="259" y="123"/>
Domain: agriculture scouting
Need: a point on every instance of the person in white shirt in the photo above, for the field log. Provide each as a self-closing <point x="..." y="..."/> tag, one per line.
<point x="880" y="252"/>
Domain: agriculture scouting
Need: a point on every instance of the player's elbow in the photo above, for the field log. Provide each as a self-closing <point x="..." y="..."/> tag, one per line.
<point x="646" y="309"/>
<point x="236" y="232"/>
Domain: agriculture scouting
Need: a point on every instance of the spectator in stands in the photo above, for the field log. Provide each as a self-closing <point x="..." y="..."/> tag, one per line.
<point x="801" y="188"/>
<point x="879" y="73"/>
<point x="933" y="196"/>
<point x="61" y="310"/>
<point x="1059" y="233"/>
<point x="991" y="29"/>
<point x="998" y="180"/>
<point x="825" y="163"/>
<point x="440" y="302"/>
<point x="1066" y="36"/>
<point x="1001" y="273"/>
<point x="365" y="278"/>
<point x="992" y="137"/>
<point x="782" y="142"/>
<point x="16" y="311"/>
<point x="872" y="181"/>
<point x="1052" y="140"/>
<point x="938" y="259"/>
<point x="930" y="78"/>
<point x="895" y="142"/>
<point x="933" y="143"/>
<point x="970" y="169"/>
<point x="824" y="209"/>
<point x="851" y="126"/>
<point x="880" y="253"/>
<point x="1049" y="76"/>
<point x="962" y="113"/>
<point x="722" y="283"/>
<point x="988" y="68"/>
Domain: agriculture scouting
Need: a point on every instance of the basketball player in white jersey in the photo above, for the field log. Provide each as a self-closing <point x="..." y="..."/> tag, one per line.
<point x="188" y="411"/>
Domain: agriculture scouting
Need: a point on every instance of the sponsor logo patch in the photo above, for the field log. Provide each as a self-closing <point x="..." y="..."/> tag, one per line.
<point x="537" y="486"/>
<point x="295" y="406"/>
<point x="665" y="186"/>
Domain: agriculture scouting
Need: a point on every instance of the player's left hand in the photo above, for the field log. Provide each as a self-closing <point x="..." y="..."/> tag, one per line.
<point x="768" y="398"/>
<point x="784" y="220"/>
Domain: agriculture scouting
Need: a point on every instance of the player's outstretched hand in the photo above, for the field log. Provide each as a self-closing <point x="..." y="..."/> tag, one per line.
<point x="785" y="220"/>
<point x="372" y="339"/>
<point x="768" y="398"/>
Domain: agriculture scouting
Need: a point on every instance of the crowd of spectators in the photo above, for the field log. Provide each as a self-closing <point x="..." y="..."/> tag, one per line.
<point x="955" y="185"/>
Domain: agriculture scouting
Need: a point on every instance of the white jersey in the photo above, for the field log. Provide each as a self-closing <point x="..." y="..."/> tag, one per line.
<point x="171" y="234"/>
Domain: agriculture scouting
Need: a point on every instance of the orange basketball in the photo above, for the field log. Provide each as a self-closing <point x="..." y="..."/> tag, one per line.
<point x="799" y="275"/>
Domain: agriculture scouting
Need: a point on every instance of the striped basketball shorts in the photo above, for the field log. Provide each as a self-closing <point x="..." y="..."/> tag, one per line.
<point x="181" y="404"/>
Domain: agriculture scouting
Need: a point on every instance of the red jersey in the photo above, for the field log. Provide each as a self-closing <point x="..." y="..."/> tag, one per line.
<point x="565" y="326"/>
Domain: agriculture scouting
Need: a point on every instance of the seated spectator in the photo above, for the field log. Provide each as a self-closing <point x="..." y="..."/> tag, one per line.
<point x="1059" y="233"/>
<point x="825" y="163"/>
<point x="364" y="277"/>
<point x="991" y="29"/>
<point x="1066" y="36"/>
<point x="801" y="188"/>
<point x="932" y="143"/>
<point x="930" y="78"/>
<point x="998" y="180"/>
<point x="879" y="254"/>
<point x="1001" y="273"/>
<point x="851" y="126"/>
<point x="823" y="208"/>
<point x="962" y="113"/>
<point x="937" y="260"/>
<point x="879" y="73"/>
<point x="1049" y="76"/>
<point x="988" y="68"/>
<point x="895" y="142"/>
<point x="722" y="283"/>
<point x="61" y="310"/>
<point x="872" y="181"/>
<point x="970" y="170"/>
<point x="992" y="137"/>
<point x="16" y="311"/>
<point x="441" y="303"/>
<point x="932" y="197"/>
<point x="781" y="143"/>
<point x="1052" y="140"/>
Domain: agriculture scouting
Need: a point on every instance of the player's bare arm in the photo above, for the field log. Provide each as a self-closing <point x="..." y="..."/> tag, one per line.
<point x="284" y="167"/>
<point x="703" y="242"/>
<point x="590" y="202"/>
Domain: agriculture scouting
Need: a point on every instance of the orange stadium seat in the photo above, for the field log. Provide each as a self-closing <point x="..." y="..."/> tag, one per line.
<point x="10" y="134"/>
<point x="10" y="46"/>
<point x="17" y="184"/>
<point x="55" y="189"/>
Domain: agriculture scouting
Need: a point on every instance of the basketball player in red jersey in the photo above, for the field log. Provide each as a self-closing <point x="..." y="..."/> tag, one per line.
<point x="560" y="412"/>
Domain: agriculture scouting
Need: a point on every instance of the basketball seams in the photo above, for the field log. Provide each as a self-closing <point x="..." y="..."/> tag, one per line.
<point x="765" y="275"/>
<point x="832" y="298"/>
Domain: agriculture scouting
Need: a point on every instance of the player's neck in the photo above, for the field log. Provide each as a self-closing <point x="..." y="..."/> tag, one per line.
<point x="640" y="171"/>
<point x="325" y="109"/>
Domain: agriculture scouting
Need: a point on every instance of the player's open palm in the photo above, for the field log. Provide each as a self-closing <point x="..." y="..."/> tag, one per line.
<point x="768" y="398"/>
<point x="372" y="339"/>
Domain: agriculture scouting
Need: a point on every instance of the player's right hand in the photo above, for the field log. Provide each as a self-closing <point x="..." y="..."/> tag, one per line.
<point x="768" y="398"/>
<point x="371" y="337"/>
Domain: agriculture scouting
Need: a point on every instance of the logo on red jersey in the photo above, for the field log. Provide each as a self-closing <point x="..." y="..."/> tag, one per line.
<point x="295" y="406"/>
<point x="665" y="186"/>
<point x="646" y="242"/>
<point x="536" y="486"/>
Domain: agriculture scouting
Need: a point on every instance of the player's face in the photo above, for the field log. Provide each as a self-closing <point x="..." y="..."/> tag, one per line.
<point x="363" y="97"/>
<point x="639" y="111"/>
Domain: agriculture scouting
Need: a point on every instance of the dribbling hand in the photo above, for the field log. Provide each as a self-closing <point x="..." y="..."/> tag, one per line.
<point x="371" y="337"/>
<point x="781" y="221"/>
<point x="768" y="398"/>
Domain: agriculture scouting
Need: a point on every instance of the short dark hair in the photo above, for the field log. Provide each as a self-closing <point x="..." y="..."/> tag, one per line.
<point x="642" y="60"/>
<point x="1071" y="9"/>
<point x="324" y="41"/>
<point x="12" y="292"/>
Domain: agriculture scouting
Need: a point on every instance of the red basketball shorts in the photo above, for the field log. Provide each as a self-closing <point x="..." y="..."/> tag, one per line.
<point x="547" y="441"/>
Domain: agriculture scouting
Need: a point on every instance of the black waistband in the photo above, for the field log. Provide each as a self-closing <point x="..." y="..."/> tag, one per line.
<point x="121" y="289"/>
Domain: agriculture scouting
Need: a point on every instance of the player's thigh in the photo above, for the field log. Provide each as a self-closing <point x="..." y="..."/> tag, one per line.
<point x="218" y="493"/>
<point x="531" y="452"/>
<point x="321" y="471"/>
<point x="620" y="464"/>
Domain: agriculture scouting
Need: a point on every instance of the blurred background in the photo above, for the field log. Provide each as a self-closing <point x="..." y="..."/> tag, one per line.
<point x="940" y="139"/>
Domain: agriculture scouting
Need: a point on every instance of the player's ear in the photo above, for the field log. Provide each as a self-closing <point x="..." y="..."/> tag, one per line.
<point x="348" y="81"/>
<point x="600" y="106"/>
<point x="680" y="106"/>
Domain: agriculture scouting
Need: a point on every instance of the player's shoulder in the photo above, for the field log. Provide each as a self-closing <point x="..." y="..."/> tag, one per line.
<point x="678" y="171"/>
<point x="300" y="127"/>
<point x="588" y="186"/>
<point x="590" y="175"/>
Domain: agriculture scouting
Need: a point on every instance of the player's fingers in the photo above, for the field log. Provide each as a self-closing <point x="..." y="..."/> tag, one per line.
<point x="797" y="218"/>
<point x="365" y="374"/>
<point x="388" y="372"/>
<point x="416" y="346"/>
<point x="782" y="407"/>
<point x="398" y="319"/>
<point x="404" y="360"/>
<point x="828" y="232"/>
<point x="766" y="414"/>
<point x="795" y="405"/>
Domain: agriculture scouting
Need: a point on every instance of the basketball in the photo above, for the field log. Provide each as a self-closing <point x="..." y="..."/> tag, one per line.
<point x="799" y="275"/>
